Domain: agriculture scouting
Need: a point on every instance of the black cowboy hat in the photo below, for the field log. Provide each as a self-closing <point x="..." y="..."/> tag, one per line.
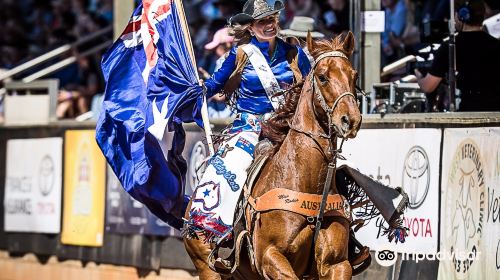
<point x="256" y="9"/>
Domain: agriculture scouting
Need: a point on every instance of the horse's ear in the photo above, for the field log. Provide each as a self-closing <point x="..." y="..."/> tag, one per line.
<point x="348" y="43"/>
<point x="310" y="42"/>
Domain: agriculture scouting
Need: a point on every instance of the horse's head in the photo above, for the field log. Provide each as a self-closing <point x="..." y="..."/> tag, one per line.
<point x="333" y="81"/>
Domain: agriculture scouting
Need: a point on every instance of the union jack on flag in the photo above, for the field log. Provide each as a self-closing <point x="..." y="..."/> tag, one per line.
<point x="151" y="88"/>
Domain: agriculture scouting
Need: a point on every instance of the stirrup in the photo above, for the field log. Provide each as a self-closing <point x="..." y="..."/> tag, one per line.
<point x="218" y="264"/>
<point x="364" y="259"/>
<point x="361" y="260"/>
<point x="226" y="266"/>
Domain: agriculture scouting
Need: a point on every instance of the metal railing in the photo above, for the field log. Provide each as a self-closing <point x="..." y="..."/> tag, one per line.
<point x="29" y="65"/>
<point x="51" y="54"/>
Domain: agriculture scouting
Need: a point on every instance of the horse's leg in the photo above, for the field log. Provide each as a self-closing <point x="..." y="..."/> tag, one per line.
<point x="199" y="251"/>
<point x="331" y="251"/>
<point x="276" y="266"/>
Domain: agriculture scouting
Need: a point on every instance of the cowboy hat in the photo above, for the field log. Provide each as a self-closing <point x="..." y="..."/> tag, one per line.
<point x="256" y="9"/>
<point x="300" y="26"/>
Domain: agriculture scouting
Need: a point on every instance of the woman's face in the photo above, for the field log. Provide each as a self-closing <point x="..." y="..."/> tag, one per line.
<point x="265" y="29"/>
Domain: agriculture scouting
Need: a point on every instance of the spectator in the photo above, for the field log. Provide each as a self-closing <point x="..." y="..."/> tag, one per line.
<point x="296" y="34"/>
<point x="337" y="19"/>
<point x="477" y="77"/>
<point x="436" y="10"/>
<point x="227" y="8"/>
<point x="74" y="99"/>
<point x="492" y="8"/>
<point x="395" y="23"/>
<point x="307" y="8"/>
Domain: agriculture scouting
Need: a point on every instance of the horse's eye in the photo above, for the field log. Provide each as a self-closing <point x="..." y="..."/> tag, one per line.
<point x="323" y="79"/>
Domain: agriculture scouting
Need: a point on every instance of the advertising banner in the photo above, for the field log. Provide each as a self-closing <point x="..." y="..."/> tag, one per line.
<point x="84" y="189"/>
<point x="470" y="204"/>
<point x="33" y="183"/>
<point x="406" y="158"/>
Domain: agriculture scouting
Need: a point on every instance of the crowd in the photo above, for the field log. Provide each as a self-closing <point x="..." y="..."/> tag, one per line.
<point x="30" y="28"/>
<point x="412" y="23"/>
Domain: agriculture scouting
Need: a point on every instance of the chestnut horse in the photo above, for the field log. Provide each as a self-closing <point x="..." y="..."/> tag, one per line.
<point x="325" y="109"/>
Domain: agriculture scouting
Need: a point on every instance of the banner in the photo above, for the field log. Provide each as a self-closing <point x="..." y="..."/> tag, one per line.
<point x="33" y="182"/>
<point x="470" y="204"/>
<point x="406" y="158"/>
<point x="84" y="187"/>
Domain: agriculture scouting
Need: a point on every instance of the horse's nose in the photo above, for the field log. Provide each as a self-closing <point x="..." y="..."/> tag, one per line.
<point x="346" y="123"/>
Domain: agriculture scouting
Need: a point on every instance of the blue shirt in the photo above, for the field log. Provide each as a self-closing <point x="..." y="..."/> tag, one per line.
<point x="395" y="21"/>
<point x="251" y="96"/>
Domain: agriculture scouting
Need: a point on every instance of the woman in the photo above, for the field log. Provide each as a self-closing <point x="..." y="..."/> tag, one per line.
<point x="257" y="69"/>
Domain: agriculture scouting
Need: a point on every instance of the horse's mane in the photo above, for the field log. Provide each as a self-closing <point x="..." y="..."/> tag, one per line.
<point x="276" y="128"/>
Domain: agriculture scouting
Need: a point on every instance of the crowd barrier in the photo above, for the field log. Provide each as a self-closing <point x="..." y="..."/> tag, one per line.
<point x="61" y="200"/>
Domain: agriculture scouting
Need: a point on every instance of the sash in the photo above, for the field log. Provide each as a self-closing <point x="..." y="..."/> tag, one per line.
<point x="265" y="74"/>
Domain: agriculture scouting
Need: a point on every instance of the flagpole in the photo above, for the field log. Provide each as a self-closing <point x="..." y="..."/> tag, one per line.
<point x="204" y="108"/>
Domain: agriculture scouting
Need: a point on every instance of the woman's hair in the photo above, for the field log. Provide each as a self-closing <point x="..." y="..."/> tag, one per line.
<point x="241" y="33"/>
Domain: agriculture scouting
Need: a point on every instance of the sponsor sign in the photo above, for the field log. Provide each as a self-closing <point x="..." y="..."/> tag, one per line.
<point x="470" y="215"/>
<point x="33" y="183"/>
<point x="409" y="159"/>
<point x="84" y="188"/>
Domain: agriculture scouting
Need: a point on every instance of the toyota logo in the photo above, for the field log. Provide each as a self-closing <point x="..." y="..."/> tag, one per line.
<point x="416" y="176"/>
<point x="46" y="176"/>
<point x="196" y="160"/>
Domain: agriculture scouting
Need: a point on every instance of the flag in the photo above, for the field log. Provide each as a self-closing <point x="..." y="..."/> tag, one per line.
<point x="151" y="88"/>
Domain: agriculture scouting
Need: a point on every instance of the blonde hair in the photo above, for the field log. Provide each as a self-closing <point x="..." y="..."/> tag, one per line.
<point x="242" y="34"/>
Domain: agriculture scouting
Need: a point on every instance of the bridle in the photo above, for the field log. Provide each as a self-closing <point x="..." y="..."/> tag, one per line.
<point x="321" y="99"/>
<point x="327" y="109"/>
<point x="319" y="96"/>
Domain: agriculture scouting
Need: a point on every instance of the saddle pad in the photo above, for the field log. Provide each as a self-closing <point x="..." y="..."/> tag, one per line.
<point x="302" y="203"/>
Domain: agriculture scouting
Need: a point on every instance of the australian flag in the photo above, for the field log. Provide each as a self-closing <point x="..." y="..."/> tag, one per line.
<point x="151" y="88"/>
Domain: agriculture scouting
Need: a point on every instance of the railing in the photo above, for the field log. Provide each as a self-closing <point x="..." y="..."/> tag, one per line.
<point x="56" y="52"/>
<point x="27" y="83"/>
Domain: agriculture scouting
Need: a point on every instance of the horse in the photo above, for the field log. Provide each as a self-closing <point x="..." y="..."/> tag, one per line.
<point x="305" y="141"/>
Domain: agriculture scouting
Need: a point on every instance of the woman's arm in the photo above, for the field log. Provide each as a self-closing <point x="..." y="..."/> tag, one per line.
<point x="215" y="83"/>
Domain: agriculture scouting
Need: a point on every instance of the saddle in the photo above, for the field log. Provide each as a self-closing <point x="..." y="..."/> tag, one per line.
<point x="225" y="256"/>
